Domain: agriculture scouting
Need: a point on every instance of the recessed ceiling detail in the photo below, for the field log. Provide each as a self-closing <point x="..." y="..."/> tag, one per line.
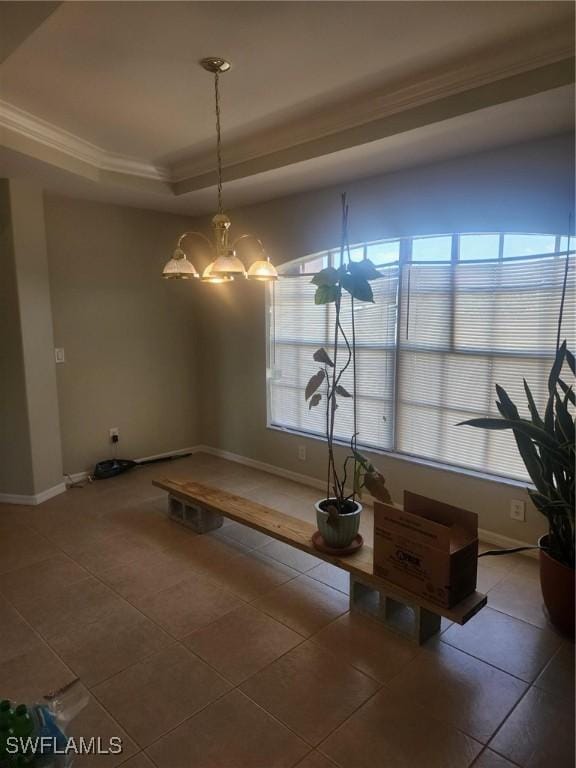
<point x="94" y="90"/>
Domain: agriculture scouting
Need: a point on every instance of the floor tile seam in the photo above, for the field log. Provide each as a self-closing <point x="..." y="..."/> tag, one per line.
<point x="199" y="711"/>
<point x="276" y="719"/>
<point x="279" y="620"/>
<point x="43" y="640"/>
<point x="490" y="744"/>
<point x="309" y="574"/>
<point x="525" y="621"/>
<point x="196" y="574"/>
<point x="452" y="726"/>
<point x="379" y="687"/>
<point x="495" y="666"/>
<point x="177" y="725"/>
<point x="350" y="664"/>
<point x="142" y="614"/>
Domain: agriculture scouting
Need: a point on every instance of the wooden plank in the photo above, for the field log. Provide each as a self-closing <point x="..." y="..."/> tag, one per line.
<point x="298" y="533"/>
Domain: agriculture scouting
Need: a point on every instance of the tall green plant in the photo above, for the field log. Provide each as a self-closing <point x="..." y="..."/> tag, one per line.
<point x="324" y="386"/>
<point x="546" y="445"/>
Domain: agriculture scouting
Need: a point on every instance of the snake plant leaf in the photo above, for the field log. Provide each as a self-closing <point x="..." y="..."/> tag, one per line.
<point x="564" y="420"/>
<point x="568" y="391"/>
<point x="506" y="406"/>
<point x="321" y="356"/>
<point x="327" y="276"/>
<point x="314" y="400"/>
<point x="570" y="361"/>
<point x="313" y="383"/>
<point x="365" y="269"/>
<point x="557" y="367"/>
<point x="536" y="418"/>
<point x="342" y="391"/>
<point x="326" y="294"/>
<point x="537" y="434"/>
<point x="525" y="446"/>
<point x="358" y="287"/>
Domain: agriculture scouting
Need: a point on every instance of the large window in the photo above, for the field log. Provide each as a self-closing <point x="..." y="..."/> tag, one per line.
<point x="453" y="316"/>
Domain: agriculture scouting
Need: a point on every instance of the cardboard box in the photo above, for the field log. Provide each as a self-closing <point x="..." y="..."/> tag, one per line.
<point x="428" y="548"/>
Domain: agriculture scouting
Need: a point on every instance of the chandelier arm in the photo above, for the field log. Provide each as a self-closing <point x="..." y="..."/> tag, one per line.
<point x="251" y="237"/>
<point x="218" y="139"/>
<point x="197" y="234"/>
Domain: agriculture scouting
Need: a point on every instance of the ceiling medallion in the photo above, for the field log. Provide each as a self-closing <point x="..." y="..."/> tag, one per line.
<point x="225" y="264"/>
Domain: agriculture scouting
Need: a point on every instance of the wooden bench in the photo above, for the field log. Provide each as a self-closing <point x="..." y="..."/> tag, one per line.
<point x="203" y="509"/>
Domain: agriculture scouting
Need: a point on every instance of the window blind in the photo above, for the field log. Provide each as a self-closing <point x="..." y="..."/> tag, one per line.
<point x="464" y="328"/>
<point x="429" y="353"/>
<point x="298" y="328"/>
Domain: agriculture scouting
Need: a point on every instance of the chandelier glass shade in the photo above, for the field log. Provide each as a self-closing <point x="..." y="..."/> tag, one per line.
<point x="209" y="277"/>
<point x="179" y="268"/>
<point x="225" y="264"/>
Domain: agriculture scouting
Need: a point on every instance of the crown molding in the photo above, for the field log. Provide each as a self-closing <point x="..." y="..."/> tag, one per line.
<point x="317" y="130"/>
<point x="25" y="124"/>
<point x="378" y="104"/>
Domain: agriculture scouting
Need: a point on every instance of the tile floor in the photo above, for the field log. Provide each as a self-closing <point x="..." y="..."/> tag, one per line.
<point x="232" y="650"/>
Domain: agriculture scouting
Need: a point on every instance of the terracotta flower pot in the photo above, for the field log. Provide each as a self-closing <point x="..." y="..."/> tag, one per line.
<point x="557" y="582"/>
<point x="340" y="533"/>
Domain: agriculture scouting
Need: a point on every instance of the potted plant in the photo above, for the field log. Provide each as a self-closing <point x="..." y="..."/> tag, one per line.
<point x="546" y="444"/>
<point x="338" y="513"/>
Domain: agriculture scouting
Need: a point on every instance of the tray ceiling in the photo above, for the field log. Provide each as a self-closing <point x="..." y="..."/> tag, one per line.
<point x="111" y="93"/>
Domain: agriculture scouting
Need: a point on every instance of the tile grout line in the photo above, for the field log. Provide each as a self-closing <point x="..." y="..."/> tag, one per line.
<point x="305" y="639"/>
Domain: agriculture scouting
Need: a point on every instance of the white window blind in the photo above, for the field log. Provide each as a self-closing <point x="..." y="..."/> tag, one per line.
<point x="440" y="335"/>
<point x="299" y="327"/>
<point x="463" y="329"/>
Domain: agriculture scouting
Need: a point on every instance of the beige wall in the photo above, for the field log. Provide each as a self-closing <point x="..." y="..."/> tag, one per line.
<point x="30" y="450"/>
<point x="523" y="188"/>
<point x="130" y="338"/>
<point x="29" y="235"/>
<point x="15" y="450"/>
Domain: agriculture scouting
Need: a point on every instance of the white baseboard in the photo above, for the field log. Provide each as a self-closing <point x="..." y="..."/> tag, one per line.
<point x="32" y="500"/>
<point x="487" y="537"/>
<point x="78" y="477"/>
<point x="287" y="474"/>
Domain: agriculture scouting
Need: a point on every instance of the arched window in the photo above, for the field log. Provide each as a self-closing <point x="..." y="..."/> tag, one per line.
<point x="453" y="315"/>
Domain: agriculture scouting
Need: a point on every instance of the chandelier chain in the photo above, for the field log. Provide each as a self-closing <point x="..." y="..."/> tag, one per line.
<point x="218" y="140"/>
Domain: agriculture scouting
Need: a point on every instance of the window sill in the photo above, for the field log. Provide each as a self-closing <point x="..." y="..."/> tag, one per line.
<point x="429" y="463"/>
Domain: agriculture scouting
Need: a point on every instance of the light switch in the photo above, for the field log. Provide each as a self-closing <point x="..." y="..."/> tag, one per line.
<point x="59" y="355"/>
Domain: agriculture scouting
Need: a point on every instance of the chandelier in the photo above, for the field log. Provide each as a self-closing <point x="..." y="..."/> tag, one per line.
<point x="225" y="264"/>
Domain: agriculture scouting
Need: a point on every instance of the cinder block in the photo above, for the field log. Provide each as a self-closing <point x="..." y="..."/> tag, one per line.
<point x="197" y="518"/>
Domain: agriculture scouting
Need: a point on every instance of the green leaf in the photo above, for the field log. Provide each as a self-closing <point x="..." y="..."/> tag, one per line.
<point x="313" y="384"/>
<point x="326" y="294"/>
<point x="564" y="420"/>
<point x="314" y="400"/>
<point x="506" y="406"/>
<point x="557" y="367"/>
<point x="568" y="391"/>
<point x="321" y="356"/>
<point x="364" y="269"/>
<point x="342" y="391"/>
<point x="537" y="434"/>
<point x="358" y="288"/>
<point x="536" y="418"/>
<point x="366" y="465"/>
<point x="327" y="276"/>
<point x="570" y="361"/>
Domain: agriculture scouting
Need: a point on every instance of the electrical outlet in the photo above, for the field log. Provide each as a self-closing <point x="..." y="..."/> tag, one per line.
<point x="302" y="452"/>
<point x="114" y="433"/>
<point x="518" y="510"/>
